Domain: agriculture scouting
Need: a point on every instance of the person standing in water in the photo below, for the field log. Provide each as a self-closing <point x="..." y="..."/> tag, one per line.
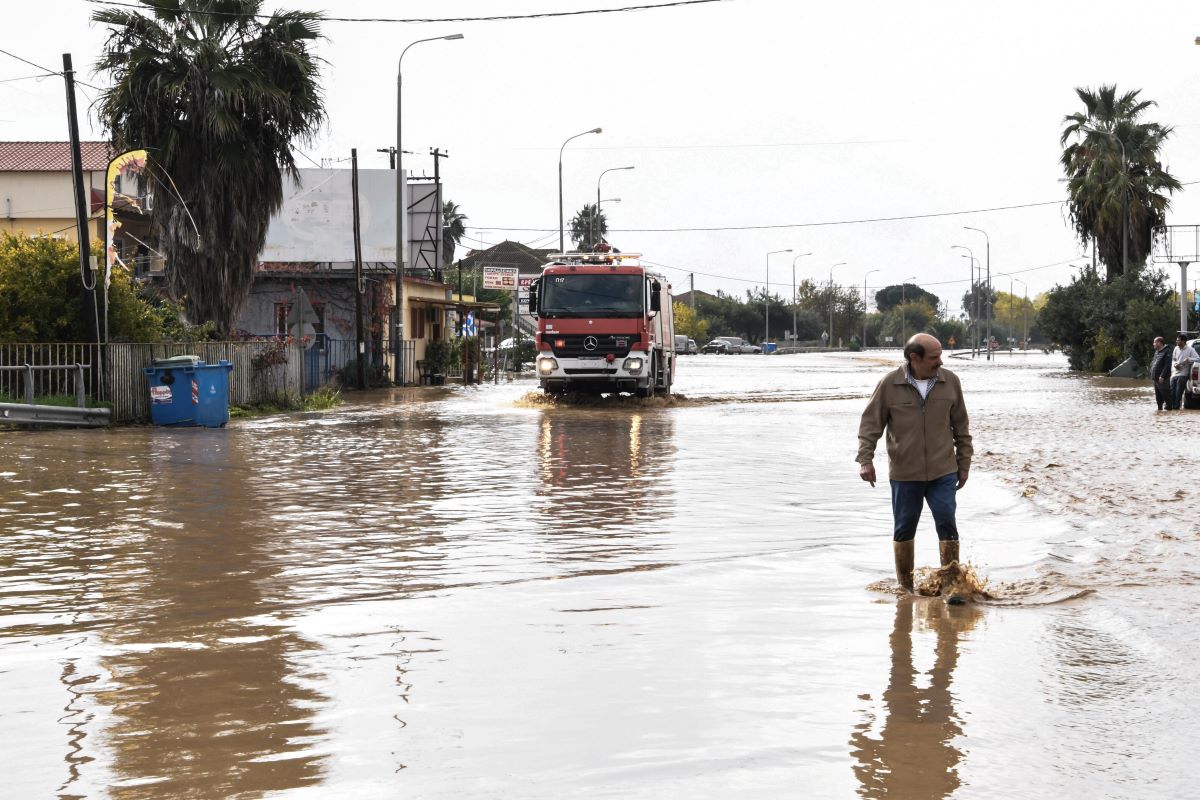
<point x="1160" y="374"/>
<point x="920" y="406"/>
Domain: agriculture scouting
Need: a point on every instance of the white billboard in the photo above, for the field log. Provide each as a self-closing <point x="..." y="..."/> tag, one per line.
<point x="317" y="218"/>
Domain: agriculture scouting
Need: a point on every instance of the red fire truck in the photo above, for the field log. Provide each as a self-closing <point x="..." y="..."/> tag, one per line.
<point x="605" y="324"/>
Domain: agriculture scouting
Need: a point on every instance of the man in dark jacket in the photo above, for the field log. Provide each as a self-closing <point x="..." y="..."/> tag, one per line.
<point x="1160" y="374"/>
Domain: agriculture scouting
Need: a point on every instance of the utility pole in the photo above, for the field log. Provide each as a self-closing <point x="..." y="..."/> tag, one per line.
<point x="692" y="292"/>
<point x="91" y="315"/>
<point x="391" y="151"/>
<point x="358" y="277"/>
<point x="437" y="187"/>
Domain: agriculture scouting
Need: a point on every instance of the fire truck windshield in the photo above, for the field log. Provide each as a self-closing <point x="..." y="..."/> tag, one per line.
<point x="583" y="295"/>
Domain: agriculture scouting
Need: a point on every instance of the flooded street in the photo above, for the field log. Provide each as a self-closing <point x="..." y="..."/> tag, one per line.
<point x="471" y="592"/>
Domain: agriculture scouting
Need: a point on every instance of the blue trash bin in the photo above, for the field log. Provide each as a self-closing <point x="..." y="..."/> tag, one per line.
<point x="184" y="391"/>
<point x="769" y="347"/>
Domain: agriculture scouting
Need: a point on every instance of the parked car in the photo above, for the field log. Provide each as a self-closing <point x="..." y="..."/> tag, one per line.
<point x="685" y="346"/>
<point x="1191" y="392"/>
<point x="731" y="344"/>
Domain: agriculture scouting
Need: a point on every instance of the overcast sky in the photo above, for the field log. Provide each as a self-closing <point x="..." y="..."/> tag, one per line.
<point x="739" y="113"/>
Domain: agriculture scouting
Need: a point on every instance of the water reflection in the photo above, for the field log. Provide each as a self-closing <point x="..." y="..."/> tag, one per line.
<point x="604" y="490"/>
<point x="914" y="753"/>
<point x="203" y="687"/>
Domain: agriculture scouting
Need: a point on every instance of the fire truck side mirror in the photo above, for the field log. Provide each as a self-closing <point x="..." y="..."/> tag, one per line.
<point x="655" y="296"/>
<point x="533" y="298"/>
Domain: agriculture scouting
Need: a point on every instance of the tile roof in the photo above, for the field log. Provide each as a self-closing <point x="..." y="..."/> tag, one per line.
<point x="512" y="254"/>
<point x="52" y="156"/>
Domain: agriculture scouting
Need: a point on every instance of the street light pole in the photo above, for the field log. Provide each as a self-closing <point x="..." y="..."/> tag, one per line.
<point x="560" y="193"/>
<point x="401" y="245"/>
<point x="596" y="219"/>
<point x="767" y="299"/>
<point x="794" y="260"/>
<point x="988" y="254"/>
<point x="1010" y="305"/>
<point x="839" y="264"/>
<point x="975" y="295"/>
<point x="869" y="272"/>
<point x="1024" y="316"/>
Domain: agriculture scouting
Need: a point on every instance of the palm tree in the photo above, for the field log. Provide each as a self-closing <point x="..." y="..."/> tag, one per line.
<point x="217" y="93"/>
<point x="588" y="228"/>
<point x="453" y="230"/>
<point x="1115" y="181"/>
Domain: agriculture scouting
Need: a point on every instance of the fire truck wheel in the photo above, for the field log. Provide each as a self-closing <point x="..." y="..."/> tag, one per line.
<point x="648" y="389"/>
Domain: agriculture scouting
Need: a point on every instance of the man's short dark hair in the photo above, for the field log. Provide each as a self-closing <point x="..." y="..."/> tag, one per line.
<point x="913" y="346"/>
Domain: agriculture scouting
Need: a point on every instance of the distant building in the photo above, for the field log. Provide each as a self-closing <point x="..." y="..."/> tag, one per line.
<point x="37" y="191"/>
<point x="687" y="298"/>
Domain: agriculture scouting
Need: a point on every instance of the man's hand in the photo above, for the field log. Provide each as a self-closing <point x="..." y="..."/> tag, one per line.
<point x="867" y="472"/>
<point x="1160" y="380"/>
<point x="962" y="477"/>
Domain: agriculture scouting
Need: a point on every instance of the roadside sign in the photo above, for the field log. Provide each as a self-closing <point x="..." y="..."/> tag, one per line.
<point x="953" y="341"/>
<point x="500" y="278"/>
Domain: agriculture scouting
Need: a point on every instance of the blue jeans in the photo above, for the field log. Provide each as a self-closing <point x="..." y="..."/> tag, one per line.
<point x="1178" y="387"/>
<point x="909" y="497"/>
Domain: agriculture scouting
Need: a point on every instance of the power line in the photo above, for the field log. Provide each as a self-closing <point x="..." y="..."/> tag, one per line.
<point x="423" y="20"/>
<point x="28" y="77"/>
<point x="46" y="70"/>
<point x="802" y="224"/>
<point x="932" y="215"/>
<point x="689" y="270"/>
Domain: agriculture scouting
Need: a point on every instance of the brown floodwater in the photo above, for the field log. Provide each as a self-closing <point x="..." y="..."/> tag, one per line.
<point x="474" y="592"/>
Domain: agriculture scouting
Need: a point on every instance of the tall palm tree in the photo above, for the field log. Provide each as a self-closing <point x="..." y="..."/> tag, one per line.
<point x="1115" y="181"/>
<point x="453" y="230"/>
<point x="588" y="227"/>
<point x="217" y="93"/>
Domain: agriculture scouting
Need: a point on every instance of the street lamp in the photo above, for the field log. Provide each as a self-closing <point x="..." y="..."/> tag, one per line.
<point x="839" y="264"/>
<point x="1012" y="278"/>
<point x="596" y="219"/>
<point x="903" y="315"/>
<point x="975" y="294"/>
<point x="988" y="254"/>
<point x="869" y="273"/>
<point x="401" y="245"/>
<point x="561" y="246"/>
<point x="767" y="299"/>
<point x="794" y="260"/>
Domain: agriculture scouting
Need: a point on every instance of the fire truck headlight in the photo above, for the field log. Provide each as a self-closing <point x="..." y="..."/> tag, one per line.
<point x="633" y="365"/>
<point x="547" y="365"/>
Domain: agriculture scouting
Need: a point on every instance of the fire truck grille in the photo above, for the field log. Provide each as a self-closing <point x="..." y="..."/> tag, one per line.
<point x="578" y="345"/>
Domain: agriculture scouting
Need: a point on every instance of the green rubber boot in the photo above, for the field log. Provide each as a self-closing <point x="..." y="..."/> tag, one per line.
<point x="948" y="550"/>
<point x="905" y="553"/>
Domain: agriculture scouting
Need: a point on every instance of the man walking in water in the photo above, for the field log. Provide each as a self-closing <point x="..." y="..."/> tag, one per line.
<point x="921" y="407"/>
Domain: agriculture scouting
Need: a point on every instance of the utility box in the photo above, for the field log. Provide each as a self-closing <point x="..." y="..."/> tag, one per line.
<point x="185" y="391"/>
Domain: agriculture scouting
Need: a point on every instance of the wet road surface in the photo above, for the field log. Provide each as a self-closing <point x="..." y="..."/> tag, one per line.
<point x="475" y="593"/>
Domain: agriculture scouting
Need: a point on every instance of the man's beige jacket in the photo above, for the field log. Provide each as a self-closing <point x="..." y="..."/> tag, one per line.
<point x="925" y="440"/>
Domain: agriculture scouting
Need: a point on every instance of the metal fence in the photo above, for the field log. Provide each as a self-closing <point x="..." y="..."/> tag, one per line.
<point x="18" y="385"/>
<point x="121" y="384"/>
<point x="116" y="377"/>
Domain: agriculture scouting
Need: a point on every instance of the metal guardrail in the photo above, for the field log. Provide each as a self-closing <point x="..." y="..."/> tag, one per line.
<point x="29" y="369"/>
<point x="30" y="414"/>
